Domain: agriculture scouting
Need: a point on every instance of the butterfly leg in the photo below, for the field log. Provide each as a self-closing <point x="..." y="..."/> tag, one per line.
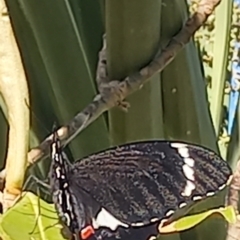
<point x="31" y="180"/>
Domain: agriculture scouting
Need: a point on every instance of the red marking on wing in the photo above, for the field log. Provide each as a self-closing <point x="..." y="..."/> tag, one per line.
<point x="87" y="232"/>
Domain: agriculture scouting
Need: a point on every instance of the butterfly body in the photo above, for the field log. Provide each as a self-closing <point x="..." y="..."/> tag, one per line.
<point x="71" y="206"/>
<point x="133" y="185"/>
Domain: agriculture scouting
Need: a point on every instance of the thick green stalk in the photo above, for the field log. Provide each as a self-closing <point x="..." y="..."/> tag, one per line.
<point x="133" y="34"/>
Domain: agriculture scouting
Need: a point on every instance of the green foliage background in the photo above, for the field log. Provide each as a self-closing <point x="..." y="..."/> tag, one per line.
<point x="59" y="43"/>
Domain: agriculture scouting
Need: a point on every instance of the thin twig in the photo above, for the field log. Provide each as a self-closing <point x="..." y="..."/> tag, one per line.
<point x="113" y="95"/>
<point x="102" y="76"/>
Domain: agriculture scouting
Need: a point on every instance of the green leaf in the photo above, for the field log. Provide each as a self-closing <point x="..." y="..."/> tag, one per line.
<point x="60" y="63"/>
<point x="186" y="115"/>
<point x="33" y="214"/>
<point x="190" y="221"/>
<point x="24" y="217"/>
<point x="223" y="17"/>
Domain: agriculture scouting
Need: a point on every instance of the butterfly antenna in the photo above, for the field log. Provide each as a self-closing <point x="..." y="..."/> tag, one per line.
<point x="41" y="125"/>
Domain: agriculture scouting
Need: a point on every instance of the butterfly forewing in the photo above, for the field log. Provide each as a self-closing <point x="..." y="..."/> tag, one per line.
<point x="144" y="182"/>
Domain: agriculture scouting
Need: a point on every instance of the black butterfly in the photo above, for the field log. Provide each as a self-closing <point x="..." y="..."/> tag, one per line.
<point x="127" y="187"/>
